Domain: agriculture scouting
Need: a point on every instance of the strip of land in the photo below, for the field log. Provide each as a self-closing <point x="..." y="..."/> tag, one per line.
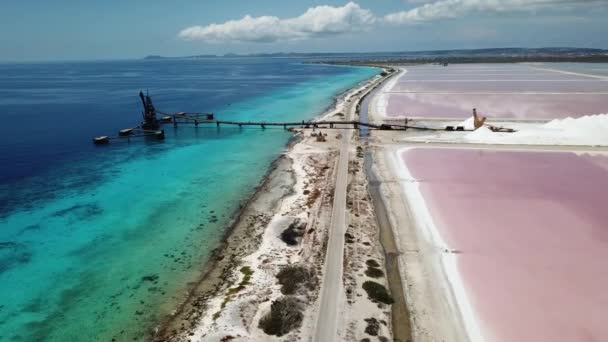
<point x="266" y="280"/>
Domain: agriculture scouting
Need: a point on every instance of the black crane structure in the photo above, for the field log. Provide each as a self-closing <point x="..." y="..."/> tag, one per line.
<point x="149" y="114"/>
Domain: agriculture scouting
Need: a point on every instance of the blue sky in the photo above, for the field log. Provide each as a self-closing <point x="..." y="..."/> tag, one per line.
<point x="76" y="29"/>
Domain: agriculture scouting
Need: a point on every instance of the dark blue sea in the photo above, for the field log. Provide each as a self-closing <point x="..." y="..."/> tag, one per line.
<point x="99" y="242"/>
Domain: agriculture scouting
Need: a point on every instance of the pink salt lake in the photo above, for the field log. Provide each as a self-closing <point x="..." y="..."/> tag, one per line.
<point x="504" y="86"/>
<point x="521" y="106"/>
<point x="532" y="231"/>
<point x="509" y="91"/>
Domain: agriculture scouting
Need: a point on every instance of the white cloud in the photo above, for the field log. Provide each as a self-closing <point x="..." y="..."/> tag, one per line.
<point x="329" y="20"/>
<point x="445" y="9"/>
<point x="315" y="22"/>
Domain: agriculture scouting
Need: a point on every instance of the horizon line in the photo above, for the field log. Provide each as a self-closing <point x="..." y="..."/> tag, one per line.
<point x="265" y="54"/>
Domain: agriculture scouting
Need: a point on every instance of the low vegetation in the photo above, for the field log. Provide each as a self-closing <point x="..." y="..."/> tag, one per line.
<point x="373" y="326"/>
<point x="377" y="292"/>
<point x="372" y="263"/>
<point x="373" y="272"/>
<point x="360" y="152"/>
<point x="293" y="233"/>
<point x="349" y="238"/>
<point x="312" y="197"/>
<point x="373" y="269"/>
<point x="247" y="273"/>
<point x="295" y="277"/>
<point x="285" y="315"/>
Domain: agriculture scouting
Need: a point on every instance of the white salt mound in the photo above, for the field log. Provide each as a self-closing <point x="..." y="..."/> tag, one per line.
<point x="586" y="130"/>
<point x="589" y="124"/>
<point x="468" y="123"/>
<point x="481" y="133"/>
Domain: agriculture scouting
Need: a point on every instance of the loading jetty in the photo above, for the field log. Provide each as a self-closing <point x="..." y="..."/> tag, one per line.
<point x="151" y="126"/>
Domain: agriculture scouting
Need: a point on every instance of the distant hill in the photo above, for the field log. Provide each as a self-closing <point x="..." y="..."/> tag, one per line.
<point x="454" y="56"/>
<point x="185" y="57"/>
<point x="494" y="52"/>
<point x="495" y="55"/>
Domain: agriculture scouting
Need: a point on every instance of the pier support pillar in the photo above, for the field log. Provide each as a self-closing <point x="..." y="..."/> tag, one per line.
<point x="263" y="126"/>
<point x="356" y="125"/>
<point x="331" y="125"/>
<point x="217" y="123"/>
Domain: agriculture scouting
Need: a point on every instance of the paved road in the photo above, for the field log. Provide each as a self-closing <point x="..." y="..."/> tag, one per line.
<point x="332" y="292"/>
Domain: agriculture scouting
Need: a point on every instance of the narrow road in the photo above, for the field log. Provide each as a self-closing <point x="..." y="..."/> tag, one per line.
<point x="332" y="292"/>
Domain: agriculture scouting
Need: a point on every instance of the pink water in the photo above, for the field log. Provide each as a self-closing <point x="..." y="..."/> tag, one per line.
<point x="490" y="76"/>
<point x="496" y="105"/>
<point x="500" y="91"/>
<point x="532" y="229"/>
<point x="536" y="86"/>
<point x="459" y="68"/>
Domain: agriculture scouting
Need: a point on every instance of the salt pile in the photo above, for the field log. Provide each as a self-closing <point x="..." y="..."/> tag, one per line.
<point x="468" y="123"/>
<point x="586" y="130"/>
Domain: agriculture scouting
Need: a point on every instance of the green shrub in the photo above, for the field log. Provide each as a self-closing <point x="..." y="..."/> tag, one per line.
<point x="373" y="326"/>
<point x="293" y="277"/>
<point x="374" y="272"/>
<point x="377" y="292"/>
<point x="284" y="316"/>
<point x="372" y="263"/>
<point x="373" y="269"/>
<point x="293" y="233"/>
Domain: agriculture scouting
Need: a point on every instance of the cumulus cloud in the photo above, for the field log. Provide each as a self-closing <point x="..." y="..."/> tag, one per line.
<point x="445" y="9"/>
<point x="329" y="20"/>
<point x="315" y="22"/>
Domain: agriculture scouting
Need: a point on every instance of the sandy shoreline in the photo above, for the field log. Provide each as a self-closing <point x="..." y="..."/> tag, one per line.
<point x="216" y="270"/>
<point x="228" y="300"/>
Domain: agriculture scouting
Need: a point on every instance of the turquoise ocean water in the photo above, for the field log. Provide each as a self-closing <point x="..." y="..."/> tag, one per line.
<point x="100" y="242"/>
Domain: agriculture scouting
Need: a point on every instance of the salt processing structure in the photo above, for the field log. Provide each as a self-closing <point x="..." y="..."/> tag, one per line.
<point x="151" y="124"/>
